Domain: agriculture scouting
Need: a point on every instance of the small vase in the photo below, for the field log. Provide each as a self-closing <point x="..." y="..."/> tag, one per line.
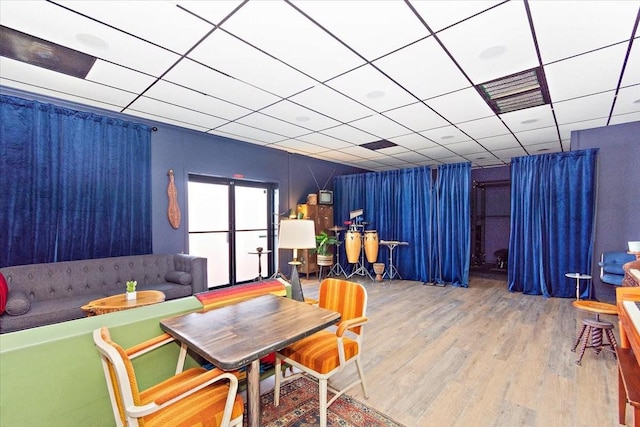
<point x="131" y="296"/>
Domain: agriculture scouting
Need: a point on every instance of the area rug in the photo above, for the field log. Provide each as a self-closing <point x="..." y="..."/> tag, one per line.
<point x="299" y="408"/>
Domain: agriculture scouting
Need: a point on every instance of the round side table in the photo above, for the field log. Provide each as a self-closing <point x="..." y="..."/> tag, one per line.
<point x="578" y="277"/>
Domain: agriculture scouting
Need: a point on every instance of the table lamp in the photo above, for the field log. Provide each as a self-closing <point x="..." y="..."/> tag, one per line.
<point x="296" y="234"/>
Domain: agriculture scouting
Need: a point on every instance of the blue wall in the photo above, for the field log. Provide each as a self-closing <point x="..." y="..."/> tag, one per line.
<point x="188" y="151"/>
<point x="618" y="199"/>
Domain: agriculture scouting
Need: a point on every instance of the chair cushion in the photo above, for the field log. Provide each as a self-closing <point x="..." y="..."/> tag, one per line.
<point x="204" y="407"/>
<point x="319" y="351"/>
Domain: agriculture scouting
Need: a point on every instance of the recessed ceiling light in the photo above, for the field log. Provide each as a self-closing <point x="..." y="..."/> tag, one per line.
<point x="92" y="41"/>
<point x="543" y="149"/>
<point x="302" y="119"/>
<point x="446" y="137"/>
<point x="480" y="158"/>
<point x="529" y="121"/>
<point x="493" y="52"/>
<point x="375" y="94"/>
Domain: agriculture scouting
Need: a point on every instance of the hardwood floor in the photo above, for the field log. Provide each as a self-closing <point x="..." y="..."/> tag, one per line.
<point x="479" y="356"/>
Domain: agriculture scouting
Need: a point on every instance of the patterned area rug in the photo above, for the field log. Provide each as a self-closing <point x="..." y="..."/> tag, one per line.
<point x="299" y="408"/>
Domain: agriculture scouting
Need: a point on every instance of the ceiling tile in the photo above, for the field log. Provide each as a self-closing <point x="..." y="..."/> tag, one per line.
<point x="529" y="118"/>
<point x="63" y="27"/>
<point x="416" y="117"/>
<point x="584" y="108"/>
<point x="412" y="157"/>
<point x="140" y="20"/>
<point x="499" y="142"/>
<point x="241" y="61"/>
<point x="371" y="88"/>
<point x="116" y="76"/>
<point x="364" y="153"/>
<point x="326" y="141"/>
<point x="440" y="14"/>
<point x="280" y="30"/>
<point x="203" y="79"/>
<point x="162" y="109"/>
<point x="212" y="11"/>
<point x="413" y="141"/>
<point x="482" y="128"/>
<point x="298" y="146"/>
<point x="537" y="136"/>
<point x="436" y="153"/>
<point x="242" y="131"/>
<point x="329" y="102"/>
<point x="62" y="84"/>
<point x="461" y="106"/>
<point x="168" y="121"/>
<point x="369" y="164"/>
<point x="380" y="126"/>
<point x="625" y="118"/>
<point x="350" y="134"/>
<point x="296" y="114"/>
<point x="467" y="147"/>
<point x="262" y="121"/>
<point x="632" y="71"/>
<point x="585" y="74"/>
<point x="445" y="135"/>
<point x="509" y="153"/>
<point x="566" y="129"/>
<point x="628" y="100"/>
<point x="494" y="44"/>
<point x="187" y="98"/>
<point x="424" y="69"/>
<point x="367" y="18"/>
<point x="567" y="28"/>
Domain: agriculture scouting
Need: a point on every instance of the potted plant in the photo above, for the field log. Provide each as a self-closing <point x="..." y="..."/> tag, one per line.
<point x="323" y="241"/>
<point x="131" y="289"/>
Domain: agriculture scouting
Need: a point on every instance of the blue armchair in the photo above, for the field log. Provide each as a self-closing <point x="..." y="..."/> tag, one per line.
<point x="611" y="263"/>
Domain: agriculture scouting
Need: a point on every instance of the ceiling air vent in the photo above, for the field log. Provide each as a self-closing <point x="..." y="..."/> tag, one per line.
<point x="525" y="89"/>
<point x="42" y="53"/>
<point x="378" y="145"/>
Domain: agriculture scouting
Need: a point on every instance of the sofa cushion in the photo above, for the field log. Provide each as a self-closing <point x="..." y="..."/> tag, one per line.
<point x="4" y="292"/>
<point x="18" y="303"/>
<point x="180" y="277"/>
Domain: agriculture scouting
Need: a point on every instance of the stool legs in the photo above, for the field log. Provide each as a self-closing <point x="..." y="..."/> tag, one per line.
<point x="593" y="330"/>
<point x="579" y="338"/>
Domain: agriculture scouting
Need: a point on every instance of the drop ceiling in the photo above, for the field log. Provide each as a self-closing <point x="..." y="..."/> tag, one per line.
<point x="321" y="78"/>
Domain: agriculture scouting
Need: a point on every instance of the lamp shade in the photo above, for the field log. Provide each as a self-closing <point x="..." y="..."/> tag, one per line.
<point x="297" y="234"/>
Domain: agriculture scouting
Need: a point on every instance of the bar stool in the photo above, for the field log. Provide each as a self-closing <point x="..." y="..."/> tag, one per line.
<point x="594" y="328"/>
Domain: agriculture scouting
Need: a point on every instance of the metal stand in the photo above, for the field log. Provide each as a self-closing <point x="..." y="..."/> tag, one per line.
<point x="392" y="272"/>
<point x="337" y="269"/>
<point x="259" y="252"/>
<point x="359" y="268"/>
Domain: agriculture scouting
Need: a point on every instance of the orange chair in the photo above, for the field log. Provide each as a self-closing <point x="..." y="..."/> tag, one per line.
<point x="328" y="352"/>
<point x="192" y="397"/>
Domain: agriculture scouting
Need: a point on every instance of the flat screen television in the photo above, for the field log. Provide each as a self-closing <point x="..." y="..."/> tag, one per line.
<point x="325" y="197"/>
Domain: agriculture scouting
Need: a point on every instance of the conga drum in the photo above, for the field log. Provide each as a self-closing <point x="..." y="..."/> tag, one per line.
<point x="352" y="244"/>
<point x="371" y="245"/>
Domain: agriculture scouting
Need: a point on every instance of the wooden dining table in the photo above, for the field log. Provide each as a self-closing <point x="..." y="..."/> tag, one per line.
<point x="239" y="334"/>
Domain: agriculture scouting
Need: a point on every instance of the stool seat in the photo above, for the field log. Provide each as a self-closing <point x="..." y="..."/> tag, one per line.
<point x="597" y="323"/>
<point x="596" y="307"/>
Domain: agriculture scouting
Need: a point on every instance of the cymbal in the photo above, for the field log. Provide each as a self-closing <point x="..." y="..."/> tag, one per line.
<point x="336" y="228"/>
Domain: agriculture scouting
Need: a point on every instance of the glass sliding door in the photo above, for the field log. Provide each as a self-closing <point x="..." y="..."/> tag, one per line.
<point x="227" y="221"/>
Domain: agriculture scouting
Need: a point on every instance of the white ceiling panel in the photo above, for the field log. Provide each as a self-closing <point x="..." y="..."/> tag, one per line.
<point x="203" y="79"/>
<point x="440" y="14"/>
<point x="413" y="141"/>
<point x="461" y="106"/>
<point x="292" y="74"/>
<point x="424" y="69"/>
<point x="509" y="153"/>
<point x="294" y="113"/>
<point x="529" y="118"/>
<point x="63" y="85"/>
<point x="593" y="24"/>
<point x="162" y="109"/>
<point x="371" y="88"/>
<point x="585" y="108"/>
<point x="278" y="29"/>
<point x="380" y="126"/>
<point x="482" y="128"/>
<point x="60" y="26"/>
<point x="585" y="74"/>
<point x="244" y="131"/>
<point x="501" y="44"/>
<point x="331" y="103"/>
<point x="350" y="134"/>
<point x="114" y="75"/>
<point x="366" y="18"/>
<point x="138" y="19"/>
<point x="235" y="58"/>
<point x="262" y="121"/>
<point x="171" y="93"/>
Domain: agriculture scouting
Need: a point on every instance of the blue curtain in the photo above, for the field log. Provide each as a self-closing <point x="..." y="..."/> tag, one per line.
<point x="396" y="204"/>
<point x="451" y="222"/>
<point x="74" y="185"/>
<point x="552" y="214"/>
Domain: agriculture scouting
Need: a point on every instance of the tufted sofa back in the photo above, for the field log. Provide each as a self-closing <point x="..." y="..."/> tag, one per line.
<point x="87" y="277"/>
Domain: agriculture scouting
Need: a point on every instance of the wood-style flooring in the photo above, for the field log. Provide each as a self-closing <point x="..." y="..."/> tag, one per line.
<point x="479" y="356"/>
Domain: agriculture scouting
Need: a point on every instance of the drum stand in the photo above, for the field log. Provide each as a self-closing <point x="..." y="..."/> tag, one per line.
<point x="392" y="272"/>
<point x="337" y="269"/>
<point x="359" y="268"/>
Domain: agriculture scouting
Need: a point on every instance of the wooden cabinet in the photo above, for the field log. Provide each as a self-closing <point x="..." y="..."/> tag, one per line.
<point x="322" y="216"/>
